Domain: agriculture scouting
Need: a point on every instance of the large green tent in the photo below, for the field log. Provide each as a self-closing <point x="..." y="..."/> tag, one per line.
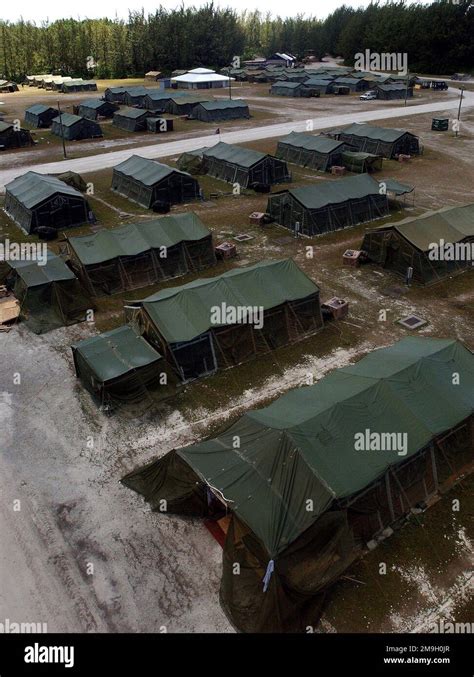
<point x="379" y="140"/>
<point x="131" y="119"/>
<point x="308" y="150"/>
<point x="50" y="295"/>
<point x="285" y="88"/>
<point x="311" y="478"/>
<point x="75" y="127"/>
<point x="219" y="322"/>
<point x="95" y="108"/>
<point x="329" y="205"/>
<point x="117" y="366"/>
<point x="217" y="111"/>
<point x="11" y="137"/>
<point x="141" y="254"/>
<point x="158" y="100"/>
<point x="151" y="183"/>
<point x="34" y="200"/>
<point x="243" y="166"/>
<point x="39" y="115"/>
<point x="435" y="245"/>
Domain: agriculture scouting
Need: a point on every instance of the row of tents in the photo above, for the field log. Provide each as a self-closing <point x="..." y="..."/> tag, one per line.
<point x="60" y="83"/>
<point x="32" y="200"/>
<point x="314" y="87"/>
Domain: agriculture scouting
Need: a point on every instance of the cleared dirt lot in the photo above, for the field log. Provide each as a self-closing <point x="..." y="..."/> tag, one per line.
<point x="63" y="459"/>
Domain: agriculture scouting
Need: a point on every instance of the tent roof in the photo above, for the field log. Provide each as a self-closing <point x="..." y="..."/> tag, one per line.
<point x="93" y="103"/>
<point x="390" y="88"/>
<point x="320" y="144"/>
<point x="223" y="104"/>
<point x="146" y="171"/>
<point x="116" y="352"/>
<point x="139" y="90"/>
<point x="346" y="81"/>
<point x="372" y="132"/>
<point x="192" y="77"/>
<point x="31" y="188"/>
<point x="451" y="224"/>
<point x="333" y="192"/>
<point x="157" y="95"/>
<point x="5" y="125"/>
<point x="396" y="187"/>
<point x="68" y="119"/>
<point x="34" y="275"/>
<point x="286" y="84"/>
<point x="136" y="238"/>
<point x="302" y="446"/>
<point x="132" y="113"/>
<point x="181" y="98"/>
<point x="317" y="82"/>
<point x="245" y="157"/>
<point x="38" y="108"/>
<point x="182" y="313"/>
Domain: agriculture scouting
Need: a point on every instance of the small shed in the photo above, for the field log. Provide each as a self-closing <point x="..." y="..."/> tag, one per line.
<point x="152" y="76"/>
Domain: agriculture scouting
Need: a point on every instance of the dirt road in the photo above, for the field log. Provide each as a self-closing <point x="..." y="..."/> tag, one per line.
<point x="97" y="162"/>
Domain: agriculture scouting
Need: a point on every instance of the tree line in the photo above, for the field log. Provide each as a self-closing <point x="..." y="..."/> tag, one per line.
<point x="437" y="39"/>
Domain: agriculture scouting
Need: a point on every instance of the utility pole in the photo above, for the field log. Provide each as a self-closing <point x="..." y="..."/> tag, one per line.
<point x="459" y="109"/>
<point x="406" y="90"/>
<point x="230" y="85"/>
<point x="62" y="130"/>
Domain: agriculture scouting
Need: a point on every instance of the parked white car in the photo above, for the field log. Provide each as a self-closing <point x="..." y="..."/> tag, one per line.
<point x="368" y="96"/>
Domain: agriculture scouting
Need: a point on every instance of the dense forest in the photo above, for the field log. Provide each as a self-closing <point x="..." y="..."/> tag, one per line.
<point x="438" y="38"/>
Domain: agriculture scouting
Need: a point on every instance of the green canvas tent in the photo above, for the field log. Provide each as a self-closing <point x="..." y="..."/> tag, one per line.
<point x="218" y="111"/>
<point x="379" y="140"/>
<point x="115" y="94"/>
<point x="134" y="95"/>
<point x="182" y="104"/>
<point x="95" y="108"/>
<point x="75" y="127"/>
<point x="393" y="91"/>
<point x="78" y="86"/>
<point x="437" y="244"/>
<point x="285" y="88"/>
<point x="158" y="100"/>
<point x="361" y="162"/>
<point x="39" y="115"/>
<point x="219" y="322"/>
<point x="236" y="164"/>
<point x="308" y="480"/>
<point x="131" y="119"/>
<point x="141" y="254"/>
<point x="150" y="183"/>
<point x="11" y="137"/>
<point x="34" y="200"/>
<point x="318" y="85"/>
<point x="316" y="152"/>
<point x="117" y="366"/>
<point x="50" y="295"/>
<point x="329" y="205"/>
